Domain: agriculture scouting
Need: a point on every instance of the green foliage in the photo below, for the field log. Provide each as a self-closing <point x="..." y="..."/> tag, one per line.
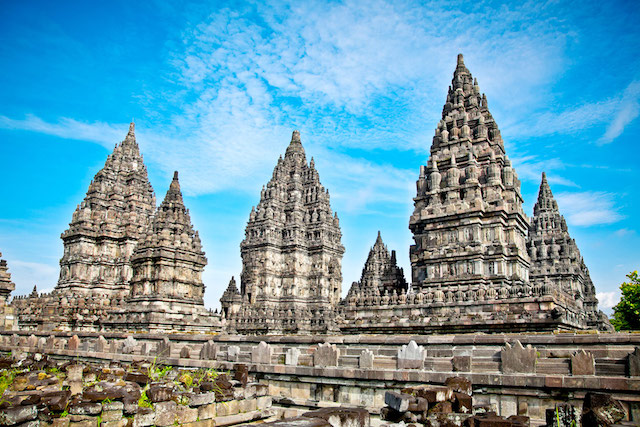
<point x="6" y="379"/>
<point x="144" y="401"/>
<point x="626" y="315"/>
<point x="64" y="414"/>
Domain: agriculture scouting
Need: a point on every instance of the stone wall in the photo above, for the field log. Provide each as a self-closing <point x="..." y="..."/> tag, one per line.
<point x="518" y="374"/>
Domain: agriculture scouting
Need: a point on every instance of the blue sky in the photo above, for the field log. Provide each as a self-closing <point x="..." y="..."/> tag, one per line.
<point x="216" y="89"/>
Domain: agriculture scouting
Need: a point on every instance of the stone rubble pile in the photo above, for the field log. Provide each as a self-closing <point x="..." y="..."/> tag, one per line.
<point x="449" y="405"/>
<point x="37" y="391"/>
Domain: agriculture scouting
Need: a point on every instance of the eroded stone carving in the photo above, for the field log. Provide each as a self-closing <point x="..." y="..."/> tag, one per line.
<point x="365" y="361"/>
<point x="411" y="356"/>
<point x="583" y="363"/>
<point x="326" y="355"/>
<point x="261" y="353"/>
<point x="291" y="357"/>
<point x="517" y="359"/>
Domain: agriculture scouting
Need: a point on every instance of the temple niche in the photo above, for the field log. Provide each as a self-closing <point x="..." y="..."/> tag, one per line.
<point x="380" y="274"/>
<point x="166" y="288"/>
<point x="556" y="260"/>
<point x="291" y="256"/>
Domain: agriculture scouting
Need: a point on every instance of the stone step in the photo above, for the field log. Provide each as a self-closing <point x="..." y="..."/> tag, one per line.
<point x="609" y="367"/>
<point x="553" y="366"/>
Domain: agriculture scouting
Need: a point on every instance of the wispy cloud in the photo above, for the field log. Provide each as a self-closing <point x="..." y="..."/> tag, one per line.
<point x="589" y="208"/>
<point x="623" y="232"/>
<point x="627" y="110"/>
<point x="105" y="134"/>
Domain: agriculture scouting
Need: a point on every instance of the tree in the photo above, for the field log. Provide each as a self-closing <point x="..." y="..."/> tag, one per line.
<point x="626" y="315"/>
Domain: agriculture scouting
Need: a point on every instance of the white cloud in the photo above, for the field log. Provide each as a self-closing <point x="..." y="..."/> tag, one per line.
<point x="588" y="208"/>
<point x="102" y="133"/>
<point x="623" y="232"/>
<point x="627" y="110"/>
<point x="27" y="274"/>
<point x="607" y="300"/>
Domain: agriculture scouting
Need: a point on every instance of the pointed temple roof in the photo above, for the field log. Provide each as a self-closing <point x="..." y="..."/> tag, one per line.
<point x="380" y="272"/>
<point x="294" y="198"/>
<point x="232" y="292"/>
<point x="6" y="285"/>
<point x="120" y="198"/>
<point x="546" y="215"/>
<point x="171" y="226"/>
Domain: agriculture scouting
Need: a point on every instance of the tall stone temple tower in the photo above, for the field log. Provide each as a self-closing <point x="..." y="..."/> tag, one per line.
<point x="291" y="255"/>
<point x="380" y="275"/>
<point x="166" y="288"/>
<point x="470" y="262"/>
<point x="468" y="224"/>
<point x="556" y="262"/>
<point x="106" y="226"/>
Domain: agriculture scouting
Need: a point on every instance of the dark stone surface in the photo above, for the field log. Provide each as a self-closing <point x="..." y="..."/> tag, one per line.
<point x="353" y="417"/>
<point x="600" y="409"/>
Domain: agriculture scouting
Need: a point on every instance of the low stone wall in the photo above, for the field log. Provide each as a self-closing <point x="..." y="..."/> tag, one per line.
<point x="518" y="374"/>
<point x="43" y="392"/>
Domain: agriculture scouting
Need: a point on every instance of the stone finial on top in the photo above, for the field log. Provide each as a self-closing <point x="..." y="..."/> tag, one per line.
<point x="132" y="128"/>
<point x="460" y="60"/>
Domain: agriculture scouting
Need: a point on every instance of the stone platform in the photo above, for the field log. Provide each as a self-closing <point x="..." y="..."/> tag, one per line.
<point x="515" y="374"/>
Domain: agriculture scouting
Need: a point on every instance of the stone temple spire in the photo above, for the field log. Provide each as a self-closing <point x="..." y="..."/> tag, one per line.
<point x="468" y="224"/>
<point x="380" y="273"/>
<point x="106" y="226"/>
<point x="292" y="255"/>
<point x="556" y="260"/>
<point x="166" y="287"/>
<point x="6" y="287"/>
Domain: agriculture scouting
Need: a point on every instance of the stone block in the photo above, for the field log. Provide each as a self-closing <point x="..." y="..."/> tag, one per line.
<point x="299" y="422"/>
<point x="247" y="405"/>
<point x="185" y="352"/>
<point x="146" y="349"/>
<point x="73" y="343"/>
<point x="18" y="414"/>
<point x="144" y="420"/>
<point x="600" y="409"/>
<point x="411" y="356"/>
<point x="517" y="359"/>
<point x="60" y="422"/>
<point x="123" y="422"/>
<point x="209" y="351"/>
<point x="224" y="409"/>
<point x="241" y="373"/>
<point x="341" y="417"/>
<point x="233" y="352"/>
<point x="74" y="372"/>
<point x="291" y="357"/>
<point x="129" y="345"/>
<point x="85" y="408"/>
<point x="633" y="363"/>
<point x="165" y="413"/>
<point x="459" y="384"/>
<point x="164" y="349"/>
<point x="583" y="363"/>
<point x="160" y="393"/>
<point x="441" y="408"/>
<point x="202" y="399"/>
<point x="261" y="353"/>
<point x="461" y="363"/>
<point x="264" y="402"/>
<point x="111" y="415"/>
<point x="365" y="361"/>
<point x="463" y="403"/>
<point x="326" y="355"/>
<point x="185" y="414"/>
<point x="397" y="401"/>
<point x="206" y="412"/>
<point x="102" y="346"/>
